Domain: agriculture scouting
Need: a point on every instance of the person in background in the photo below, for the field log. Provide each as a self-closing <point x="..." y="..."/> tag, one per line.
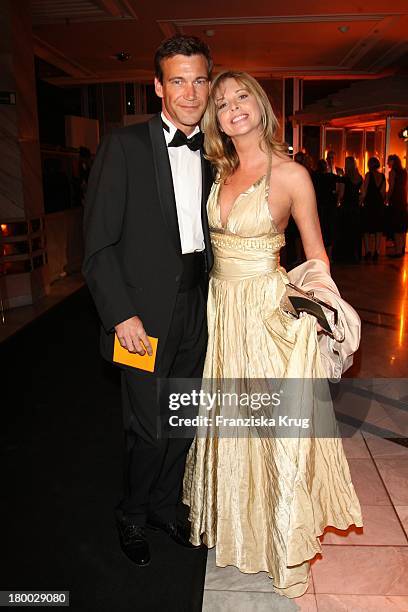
<point x="348" y="246"/>
<point x="56" y="186"/>
<point x="304" y="160"/>
<point x="397" y="202"/>
<point x="327" y="197"/>
<point x="338" y="172"/>
<point x="331" y="164"/>
<point x="373" y="199"/>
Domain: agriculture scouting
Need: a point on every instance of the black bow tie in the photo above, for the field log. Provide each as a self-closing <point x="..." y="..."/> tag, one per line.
<point x="194" y="143"/>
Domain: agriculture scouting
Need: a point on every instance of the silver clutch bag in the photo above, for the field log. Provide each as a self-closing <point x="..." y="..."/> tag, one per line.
<point x="295" y="301"/>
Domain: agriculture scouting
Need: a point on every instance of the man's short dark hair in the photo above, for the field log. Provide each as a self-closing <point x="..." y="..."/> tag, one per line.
<point x="181" y="45"/>
<point x="373" y="163"/>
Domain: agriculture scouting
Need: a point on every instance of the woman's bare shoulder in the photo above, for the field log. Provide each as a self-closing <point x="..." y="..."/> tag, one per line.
<point x="289" y="169"/>
<point x="279" y="160"/>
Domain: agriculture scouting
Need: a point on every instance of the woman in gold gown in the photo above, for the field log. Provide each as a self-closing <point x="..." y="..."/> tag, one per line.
<point x="263" y="501"/>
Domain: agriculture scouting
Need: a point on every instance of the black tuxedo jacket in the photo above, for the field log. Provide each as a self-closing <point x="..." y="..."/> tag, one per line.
<point x="132" y="261"/>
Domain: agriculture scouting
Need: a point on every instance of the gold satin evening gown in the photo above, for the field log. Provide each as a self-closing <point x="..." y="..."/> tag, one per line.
<point x="261" y="500"/>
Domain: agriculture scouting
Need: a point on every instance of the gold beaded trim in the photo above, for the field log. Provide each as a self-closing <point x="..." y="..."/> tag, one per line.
<point x="272" y="243"/>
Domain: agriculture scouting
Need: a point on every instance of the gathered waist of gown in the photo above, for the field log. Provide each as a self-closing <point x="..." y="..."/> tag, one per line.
<point x="239" y="258"/>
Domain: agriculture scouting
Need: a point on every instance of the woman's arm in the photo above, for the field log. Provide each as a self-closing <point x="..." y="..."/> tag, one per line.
<point x="364" y="188"/>
<point x="340" y="188"/>
<point x="391" y="183"/>
<point x="383" y="186"/>
<point x="304" y="212"/>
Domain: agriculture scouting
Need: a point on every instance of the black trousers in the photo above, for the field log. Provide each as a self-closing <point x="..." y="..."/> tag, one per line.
<point x="154" y="466"/>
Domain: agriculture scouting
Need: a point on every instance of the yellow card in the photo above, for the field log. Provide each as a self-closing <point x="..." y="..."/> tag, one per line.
<point x="141" y="362"/>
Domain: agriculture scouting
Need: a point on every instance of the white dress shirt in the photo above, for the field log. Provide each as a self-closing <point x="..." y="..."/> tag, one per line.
<point x="186" y="172"/>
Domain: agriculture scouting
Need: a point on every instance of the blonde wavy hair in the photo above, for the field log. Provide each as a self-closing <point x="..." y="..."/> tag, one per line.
<point x="219" y="148"/>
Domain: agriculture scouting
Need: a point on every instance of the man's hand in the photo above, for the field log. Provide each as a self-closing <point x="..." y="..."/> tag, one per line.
<point x="132" y="336"/>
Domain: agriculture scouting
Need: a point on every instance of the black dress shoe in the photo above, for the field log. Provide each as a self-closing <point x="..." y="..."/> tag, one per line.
<point x="179" y="533"/>
<point x="133" y="542"/>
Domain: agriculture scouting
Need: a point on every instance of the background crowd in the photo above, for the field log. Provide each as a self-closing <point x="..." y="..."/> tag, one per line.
<point x="355" y="212"/>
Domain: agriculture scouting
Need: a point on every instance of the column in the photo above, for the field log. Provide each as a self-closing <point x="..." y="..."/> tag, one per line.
<point x="23" y="265"/>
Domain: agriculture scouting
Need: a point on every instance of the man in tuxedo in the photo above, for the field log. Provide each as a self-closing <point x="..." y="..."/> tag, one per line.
<point x="147" y="254"/>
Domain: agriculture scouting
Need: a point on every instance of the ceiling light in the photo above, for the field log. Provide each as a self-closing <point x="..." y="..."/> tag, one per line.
<point x="123" y="56"/>
<point x="343" y="29"/>
<point x="210" y="32"/>
<point x="404" y="134"/>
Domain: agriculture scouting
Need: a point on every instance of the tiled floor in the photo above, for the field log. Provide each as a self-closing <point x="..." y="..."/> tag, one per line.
<point x="365" y="570"/>
<point x="379" y="293"/>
